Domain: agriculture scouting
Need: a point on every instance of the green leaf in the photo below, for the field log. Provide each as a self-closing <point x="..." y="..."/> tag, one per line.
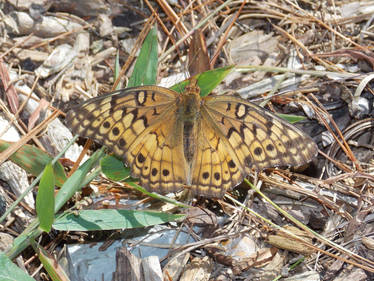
<point x="10" y="272"/>
<point x="54" y="269"/>
<point x="291" y="118"/>
<point x="45" y="201"/>
<point x="145" y="69"/>
<point x="207" y="80"/>
<point x="33" y="160"/>
<point x="109" y="219"/>
<point x="113" y="168"/>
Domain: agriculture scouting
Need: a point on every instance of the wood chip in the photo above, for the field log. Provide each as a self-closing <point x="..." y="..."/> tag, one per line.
<point x="281" y="241"/>
<point x="152" y="269"/>
<point x="127" y="266"/>
<point x="198" y="270"/>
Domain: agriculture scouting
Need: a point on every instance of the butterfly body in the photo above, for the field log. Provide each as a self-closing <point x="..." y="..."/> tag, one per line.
<point x="173" y="140"/>
<point x="189" y="115"/>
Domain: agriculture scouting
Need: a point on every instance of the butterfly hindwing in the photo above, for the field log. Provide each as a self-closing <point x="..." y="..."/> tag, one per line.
<point x="157" y="158"/>
<point x="213" y="169"/>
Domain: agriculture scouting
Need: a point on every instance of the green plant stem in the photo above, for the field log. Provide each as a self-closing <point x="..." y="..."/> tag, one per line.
<point x="246" y="68"/>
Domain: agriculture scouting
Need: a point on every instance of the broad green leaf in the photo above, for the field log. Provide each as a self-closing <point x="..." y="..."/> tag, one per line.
<point x="33" y="160"/>
<point x="45" y="201"/>
<point x="106" y="219"/>
<point x="145" y="69"/>
<point x="10" y="272"/>
<point x="207" y="80"/>
<point x="113" y="168"/>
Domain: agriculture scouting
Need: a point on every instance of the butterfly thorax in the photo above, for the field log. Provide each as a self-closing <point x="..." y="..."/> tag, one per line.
<point x="190" y="108"/>
<point x="190" y="101"/>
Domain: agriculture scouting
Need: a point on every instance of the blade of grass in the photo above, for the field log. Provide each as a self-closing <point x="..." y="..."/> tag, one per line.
<point x="158" y="196"/>
<point x="145" y="69"/>
<point x="54" y="269"/>
<point x="45" y="200"/>
<point x="291" y="118"/>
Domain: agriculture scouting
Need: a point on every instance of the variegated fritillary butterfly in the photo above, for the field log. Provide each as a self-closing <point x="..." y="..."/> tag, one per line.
<point x="172" y="140"/>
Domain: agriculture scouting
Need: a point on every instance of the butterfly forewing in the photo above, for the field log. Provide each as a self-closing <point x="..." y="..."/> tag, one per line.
<point x="259" y="139"/>
<point x="138" y="124"/>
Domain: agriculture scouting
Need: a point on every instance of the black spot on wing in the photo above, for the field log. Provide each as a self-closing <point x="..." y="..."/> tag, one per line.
<point x="135" y="113"/>
<point x="248" y="161"/>
<point x="122" y="142"/>
<point x="141" y="98"/>
<point x="270" y="147"/>
<point x="145" y="121"/>
<point x="258" y="151"/>
<point x="124" y="111"/>
<point x="113" y="103"/>
<point x="115" y="131"/>
<point x="141" y="158"/>
<point x="268" y="125"/>
<point x="106" y="124"/>
<point x="154" y="172"/>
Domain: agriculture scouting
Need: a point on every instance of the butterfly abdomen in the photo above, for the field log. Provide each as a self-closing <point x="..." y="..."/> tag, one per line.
<point x="188" y="141"/>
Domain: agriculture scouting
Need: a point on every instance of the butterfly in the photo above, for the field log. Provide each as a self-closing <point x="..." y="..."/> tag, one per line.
<point x="172" y="140"/>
